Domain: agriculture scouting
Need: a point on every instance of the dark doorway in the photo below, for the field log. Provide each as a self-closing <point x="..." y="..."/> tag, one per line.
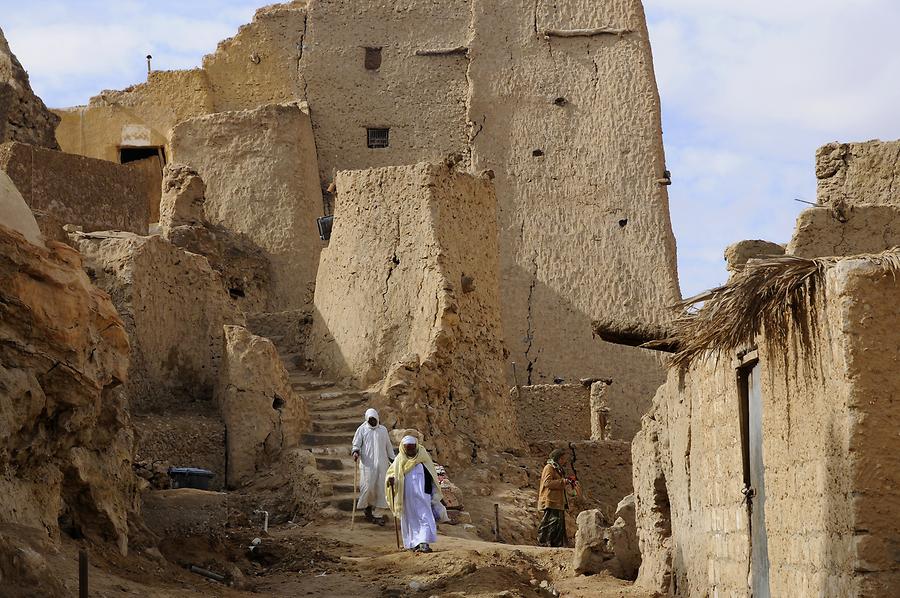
<point x="149" y="160"/>
<point x="751" y="417"/>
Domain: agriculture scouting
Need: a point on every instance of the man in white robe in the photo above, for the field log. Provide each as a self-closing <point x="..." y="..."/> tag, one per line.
<point x="373" y="451"/>
<point x="413" y="494"/>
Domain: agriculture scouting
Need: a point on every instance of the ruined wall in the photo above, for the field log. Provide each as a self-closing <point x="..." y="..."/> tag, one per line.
<point x="831" y="478"/>
<point x="407" y="299"/>
<point x="858" y="173"/>
<point x="258" y="65"/>
<point x="93" y="194"/>
<point x="262" y="181"/>
<point x="552" y="411"/>
<point x="421" y="99"/>
<point x="859" y="228"/>
<point x="65" y="436"/>
<point x="571" y="127"/>
<point x="255" y="67"/>
<point x="140" y="116"/>
<point x="23" y="116"/>
<point x="174" y="307"/>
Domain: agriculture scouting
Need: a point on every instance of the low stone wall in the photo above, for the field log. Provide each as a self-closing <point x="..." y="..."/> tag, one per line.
<point x="858" y="173"/>
<point x="862" y="228"/>
<point x="93" y="194"/>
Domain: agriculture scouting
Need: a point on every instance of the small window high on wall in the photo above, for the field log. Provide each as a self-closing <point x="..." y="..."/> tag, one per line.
<point x="373" y="59"/>
<point x="377" y="138"/>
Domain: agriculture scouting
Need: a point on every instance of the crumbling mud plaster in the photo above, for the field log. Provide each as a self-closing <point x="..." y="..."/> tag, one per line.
<point x="263" y="415"/>
<point x="859" y="173"/>
<point x="174" y="307"/>
<point x="571" y="128"/>
<point x="255" y="67"/>
<point x="407" y="302"/>
<point x="23" y="116"/>
<point x="831" y="487"/>
<point x="855" y="229"/>
<point x="92" y="194"/>
<point x="65" y="435"/>
<point x="262" y="181"/>
<point x="421" y="99"/>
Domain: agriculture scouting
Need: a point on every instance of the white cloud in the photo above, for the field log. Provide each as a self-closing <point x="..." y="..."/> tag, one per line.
<point x="72" y="50"/>
<point x="749" y="91"/>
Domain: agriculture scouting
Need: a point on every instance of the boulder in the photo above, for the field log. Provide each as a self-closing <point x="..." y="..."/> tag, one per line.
<point x="601" y="547"/>
<point x="174" y="306"/>
<point x="263" y="415"/>
<point x="243" y="266"/>
<point x="65" y="435"/>
<point x="23" y="115"/>
<point x="14" y="212"/>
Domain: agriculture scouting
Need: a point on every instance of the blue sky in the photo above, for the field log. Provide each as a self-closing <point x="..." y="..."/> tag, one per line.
<point x="749" y="91"/>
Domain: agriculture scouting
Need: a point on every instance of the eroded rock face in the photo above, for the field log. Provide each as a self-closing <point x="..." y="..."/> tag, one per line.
<point x="14" y="212"/>
<point x="263" y="415"/>
<point x="65" y="438"/>
<point x="244" y="267"/>
<point x="174" y="306"/>
<point x="601" y="547"/>
<point x="23" y="115"/>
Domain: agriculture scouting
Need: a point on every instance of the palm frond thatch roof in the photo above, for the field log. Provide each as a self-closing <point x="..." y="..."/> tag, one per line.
<point x="779" y="295"/>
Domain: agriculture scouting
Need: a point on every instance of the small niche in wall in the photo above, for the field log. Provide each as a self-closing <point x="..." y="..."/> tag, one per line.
<point x="373" y="59"/>
<point x="377" y="138"/>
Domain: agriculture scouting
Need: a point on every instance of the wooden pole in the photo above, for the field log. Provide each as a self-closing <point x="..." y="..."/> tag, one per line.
<point x="496" y="522"/>
<point x="82" y="574"/>
<point x="355" y="486"/>
<point x="396" y="523"/>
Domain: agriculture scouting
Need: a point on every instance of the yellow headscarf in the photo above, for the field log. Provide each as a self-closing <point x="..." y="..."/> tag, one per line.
<point x="401" y="466"/>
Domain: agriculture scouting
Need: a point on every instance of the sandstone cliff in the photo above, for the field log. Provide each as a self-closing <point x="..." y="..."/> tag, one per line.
<point x="23" y="116"/>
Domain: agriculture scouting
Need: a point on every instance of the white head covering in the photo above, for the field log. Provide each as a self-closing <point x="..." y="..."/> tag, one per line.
<point x="409" y="440"/>
<point x="371" y="413"/>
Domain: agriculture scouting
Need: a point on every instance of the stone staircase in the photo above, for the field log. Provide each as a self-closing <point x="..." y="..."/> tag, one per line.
<point x="336" y="413"/>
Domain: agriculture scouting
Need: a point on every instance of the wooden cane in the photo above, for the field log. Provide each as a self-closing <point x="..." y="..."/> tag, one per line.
<point x="396" y="523"/>
<point x="355" y="490"/>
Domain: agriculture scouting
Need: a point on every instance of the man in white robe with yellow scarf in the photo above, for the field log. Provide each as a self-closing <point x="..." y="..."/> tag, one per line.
<point x="413" y="494"/>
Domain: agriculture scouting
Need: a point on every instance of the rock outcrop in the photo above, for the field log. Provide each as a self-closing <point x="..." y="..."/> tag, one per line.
<point x="65" y="439"/>
<point x="601" y="547"/>
<point x="407" y="302"/>
<point x="14" y="212"/>
<point x="263" y="415"/>
<point x="174" y="306"/>
<point x="244" y="267"/>
<point x="23" y="115"/>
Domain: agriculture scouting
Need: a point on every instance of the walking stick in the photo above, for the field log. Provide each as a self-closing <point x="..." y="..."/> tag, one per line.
<point x="396" y="523"/>
<point x="355" y="487"/>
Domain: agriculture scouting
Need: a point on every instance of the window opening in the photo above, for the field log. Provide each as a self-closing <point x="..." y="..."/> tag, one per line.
<point x="377" y="138"/>
<point x="373" y="59"/>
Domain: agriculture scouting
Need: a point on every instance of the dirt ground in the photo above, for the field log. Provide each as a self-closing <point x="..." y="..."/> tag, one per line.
<point x="324" y="558"/>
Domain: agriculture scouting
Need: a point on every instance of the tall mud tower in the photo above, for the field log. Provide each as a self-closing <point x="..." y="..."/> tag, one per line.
<point x="559" y="99"/>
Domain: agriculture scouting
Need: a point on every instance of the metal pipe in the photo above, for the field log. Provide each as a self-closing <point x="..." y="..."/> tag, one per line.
<point x="266" y="522"/>
<point x="207" y="574"/>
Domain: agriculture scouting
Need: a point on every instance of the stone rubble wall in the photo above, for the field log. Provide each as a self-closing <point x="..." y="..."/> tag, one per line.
<point x="92" y="194"/>
<point x="830" y="483"/>
<point x="407" y="302"/>
<point x="23" y="115"/>
<point x="262" y="182"/>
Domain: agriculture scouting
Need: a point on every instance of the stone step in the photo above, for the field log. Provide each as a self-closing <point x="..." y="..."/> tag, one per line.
<point x="323" y="439"/>
<point x="310" y="385"/>
<point x="342" y="488"/>
<point x="343" y="502"/>
<point x="336" y="425"/>
<point x="330" y="463"/>
<point x="319" y="405"/>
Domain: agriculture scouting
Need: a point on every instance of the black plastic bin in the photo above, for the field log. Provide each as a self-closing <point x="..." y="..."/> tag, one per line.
<point x="191" y="477"/>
